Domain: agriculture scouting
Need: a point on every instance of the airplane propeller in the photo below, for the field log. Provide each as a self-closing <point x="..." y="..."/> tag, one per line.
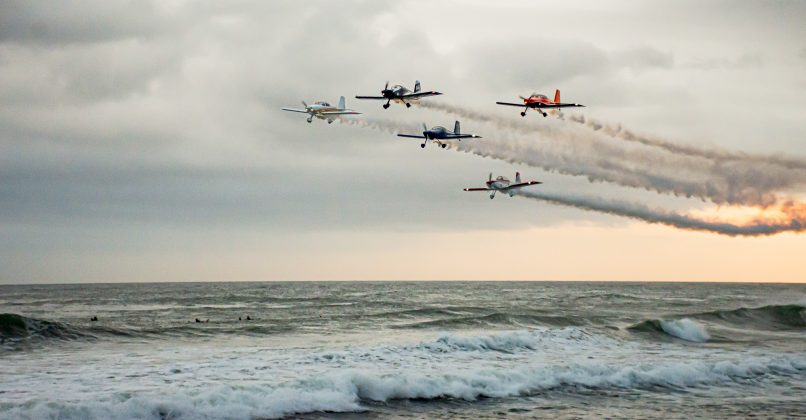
<point x="385" y="88"/>
<point x="490" y="178"/>
<point x="304" y="104"/>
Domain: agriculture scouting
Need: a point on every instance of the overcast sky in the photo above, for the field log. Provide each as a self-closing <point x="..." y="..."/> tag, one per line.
<point x="144" y="141"/>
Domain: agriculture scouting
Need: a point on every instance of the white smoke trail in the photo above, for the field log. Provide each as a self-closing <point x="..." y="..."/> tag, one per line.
<point x="387" y="126"/>
<point x="619" y="132"/>
<point x="572" y="150"/>
<point x="793" y="219"/>
<point x="713" y="153"/>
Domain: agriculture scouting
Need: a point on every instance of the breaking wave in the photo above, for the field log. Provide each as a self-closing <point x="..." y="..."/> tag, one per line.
<point x="358" y="390"/>
<point x="17" y="327"/>
<point x="685" y="329"/>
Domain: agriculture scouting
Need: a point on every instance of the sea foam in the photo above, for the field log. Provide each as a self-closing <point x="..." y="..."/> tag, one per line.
<point x="686" y="329"/>
<point x="344" y="391"/>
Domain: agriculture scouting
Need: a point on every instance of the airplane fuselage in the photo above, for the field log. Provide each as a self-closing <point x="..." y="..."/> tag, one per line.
<point x="439" y="133"/>
<point x="538" y="99"/>
<point x="395" y="92"/>
<point x="498" y="183"/>
<point x="317" y="109"/>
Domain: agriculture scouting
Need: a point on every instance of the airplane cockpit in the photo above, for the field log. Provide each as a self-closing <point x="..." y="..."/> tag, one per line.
<point x="322" y="103"/>
<point x="501" y="178"/>
<point x="539" y="96"/>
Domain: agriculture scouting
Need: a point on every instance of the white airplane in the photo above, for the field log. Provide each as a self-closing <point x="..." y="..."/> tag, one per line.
<point x="324" y="110"/>
<point x="503" y="184"/>
<point x="398" y="93"/>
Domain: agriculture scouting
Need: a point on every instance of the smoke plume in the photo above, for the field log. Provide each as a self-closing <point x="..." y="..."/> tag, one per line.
<point x="753" y="180"/>
<point x="789" y="217"/>
<point x="587" y="149"/>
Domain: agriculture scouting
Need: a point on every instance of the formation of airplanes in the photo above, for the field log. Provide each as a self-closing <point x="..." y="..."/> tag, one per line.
<point x="439" y="135"/>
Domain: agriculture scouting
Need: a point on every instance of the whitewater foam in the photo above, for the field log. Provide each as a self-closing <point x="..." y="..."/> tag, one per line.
<point x="686" y="329"/>
<point x="344" y="391"/>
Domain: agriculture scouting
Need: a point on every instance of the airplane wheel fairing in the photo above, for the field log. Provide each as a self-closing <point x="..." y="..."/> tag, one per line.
<point x="422" y="146"/>
<point x="545" y="115"/>
<point x="408" y="105"/>
<point x="385" y="106"/>
<point x="523" y="114"/>
<point x="444" y="146"/>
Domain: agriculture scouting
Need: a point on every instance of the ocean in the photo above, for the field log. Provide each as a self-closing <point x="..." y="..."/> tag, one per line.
<point x="348" y="350"/>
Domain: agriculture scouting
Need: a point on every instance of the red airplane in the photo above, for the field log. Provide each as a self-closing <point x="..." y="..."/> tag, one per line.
<point x="540" y="102"/>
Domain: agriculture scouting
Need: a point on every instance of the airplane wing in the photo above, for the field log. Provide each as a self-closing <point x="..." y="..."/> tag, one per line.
<point x="520" y="185"/>
<point x="369" y="97"/>
<point x="477" y="189"/>
<point x="539" y="105"/>
<point x="419" y="95"/>
<point x="340" y="113"/>
<point x="462" y="136"/>
<point x="295" y="110"/>
<point x="521" y="105"/>
<point x="411" y="136"/>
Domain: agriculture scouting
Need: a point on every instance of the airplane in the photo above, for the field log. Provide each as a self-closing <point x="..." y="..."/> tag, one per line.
<point x="438" y="134"/>
<point x="540" y="102"/>
<point x="400" y="94"/>
<point x="503" y="184"/>
<point x="324" y="110"/>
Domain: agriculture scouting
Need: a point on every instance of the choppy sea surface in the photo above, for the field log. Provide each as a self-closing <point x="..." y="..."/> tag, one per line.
<point x="348" y="350"/>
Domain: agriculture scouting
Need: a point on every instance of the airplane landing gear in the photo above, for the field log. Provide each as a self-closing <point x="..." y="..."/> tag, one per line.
<point x="330" y="121"/>
<point x="310" y="119"/>
<point x="423" y="145"/>
<point x="545" y="114"/>
<point x="444" y="145"/>
<point x="385" y="106"/>
<point x="523" y="114"/>
<point x="408" y="105"/>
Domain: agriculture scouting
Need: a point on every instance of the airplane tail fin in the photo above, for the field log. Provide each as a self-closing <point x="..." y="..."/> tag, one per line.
<point x="517" y="177"/>
<point x="342" y="105"/>
<point x="416" y="86"/>
<point x="557" y="95"/>
<point x="456" y="128"/>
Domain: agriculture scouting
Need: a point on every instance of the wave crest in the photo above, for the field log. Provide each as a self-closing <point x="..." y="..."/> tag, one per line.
<point x="346" y="391"/>
<point x="684" y="329"/>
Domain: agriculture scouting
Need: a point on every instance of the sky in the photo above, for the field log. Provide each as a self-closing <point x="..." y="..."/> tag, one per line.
<point x="144" y="141"/>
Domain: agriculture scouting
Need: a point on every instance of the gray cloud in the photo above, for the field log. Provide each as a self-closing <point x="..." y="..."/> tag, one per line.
<point x="42" y="22"/>
<point x="119" y="115"/>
